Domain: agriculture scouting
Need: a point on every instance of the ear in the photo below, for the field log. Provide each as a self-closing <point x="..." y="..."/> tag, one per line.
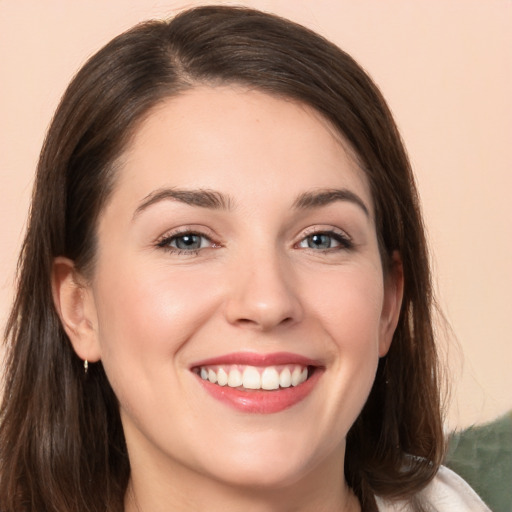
<point x="393" y="294"/>
<point x="75" y="306"/>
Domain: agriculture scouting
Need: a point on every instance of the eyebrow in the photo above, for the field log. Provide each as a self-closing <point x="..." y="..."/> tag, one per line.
<point x="203" y="198"/>
<point x="316" y="199"/>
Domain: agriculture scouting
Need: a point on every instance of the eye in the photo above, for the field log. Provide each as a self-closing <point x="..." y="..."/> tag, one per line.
<point x="325" y="240"/>
<point x="185" y="242"/>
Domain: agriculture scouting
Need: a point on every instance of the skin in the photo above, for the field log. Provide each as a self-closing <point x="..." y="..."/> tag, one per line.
<point x="150" y="312"/>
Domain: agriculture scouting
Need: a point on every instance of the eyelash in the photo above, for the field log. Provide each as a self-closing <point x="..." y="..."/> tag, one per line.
<point x="165" y="242"/>
<point x="344" y="241"/>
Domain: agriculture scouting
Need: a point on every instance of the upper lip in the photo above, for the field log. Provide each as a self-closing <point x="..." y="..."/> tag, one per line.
<point x="256" y="359"/>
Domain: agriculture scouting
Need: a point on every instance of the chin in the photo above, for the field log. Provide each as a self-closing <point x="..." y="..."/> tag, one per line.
<point x="266" y="476"/>
<point x="269" y="462"/>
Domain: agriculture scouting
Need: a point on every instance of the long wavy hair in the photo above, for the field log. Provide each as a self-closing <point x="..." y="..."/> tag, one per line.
<point x="62" y="447"/>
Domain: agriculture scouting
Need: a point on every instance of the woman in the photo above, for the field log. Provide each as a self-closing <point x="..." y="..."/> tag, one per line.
<point x="224" y="296"/>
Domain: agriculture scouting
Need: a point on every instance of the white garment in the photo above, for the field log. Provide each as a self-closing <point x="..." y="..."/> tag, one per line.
<point x="447" y="492"/>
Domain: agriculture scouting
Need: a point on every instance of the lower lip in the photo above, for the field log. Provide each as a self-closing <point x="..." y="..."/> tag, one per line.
<point x="261" y="401"/>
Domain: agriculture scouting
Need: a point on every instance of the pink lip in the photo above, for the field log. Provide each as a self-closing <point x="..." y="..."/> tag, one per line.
<point x="261" y="401"/>
<point x="254" y="359"/>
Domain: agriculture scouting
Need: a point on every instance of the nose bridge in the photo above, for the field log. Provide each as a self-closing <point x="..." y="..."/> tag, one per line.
<point x="263" y="292"/>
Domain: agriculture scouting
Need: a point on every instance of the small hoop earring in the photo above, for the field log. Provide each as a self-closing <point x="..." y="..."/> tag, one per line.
<point x="86" y="366"/>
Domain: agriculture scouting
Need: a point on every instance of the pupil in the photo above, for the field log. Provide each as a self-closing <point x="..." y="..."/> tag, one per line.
<point x="320" y="241"/>
<point x="188" y="242"/>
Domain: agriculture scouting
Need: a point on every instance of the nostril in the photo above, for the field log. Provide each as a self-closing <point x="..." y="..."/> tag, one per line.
<point x="246" y="321"/>
<point x="250" y="322"/>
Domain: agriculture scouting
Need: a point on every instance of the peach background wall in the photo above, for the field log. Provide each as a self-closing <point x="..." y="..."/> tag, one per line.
<point x="445" y="68"/>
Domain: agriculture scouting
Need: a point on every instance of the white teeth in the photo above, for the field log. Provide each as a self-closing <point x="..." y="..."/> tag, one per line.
<point x="212" y="376"/>
<point x="285" y="378"/>
<point x="296" y="375"/>
<point x="270" y="378"/>
<point x="235" y="378"/>
<point x="251" y="377"/>
<point x="222" y="377"/>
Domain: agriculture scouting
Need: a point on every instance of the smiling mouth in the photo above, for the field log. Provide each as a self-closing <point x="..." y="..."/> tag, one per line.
<point x="259" y="383"/>
<point x="251" y="378"/>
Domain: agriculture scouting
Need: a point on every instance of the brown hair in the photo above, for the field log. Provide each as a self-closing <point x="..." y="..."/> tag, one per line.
<point x="61" y="438"/>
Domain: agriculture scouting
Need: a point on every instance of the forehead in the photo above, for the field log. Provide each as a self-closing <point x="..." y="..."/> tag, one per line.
<point x="237" y="140"/>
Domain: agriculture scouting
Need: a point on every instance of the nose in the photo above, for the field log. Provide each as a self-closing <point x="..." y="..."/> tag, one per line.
<point x="263" y="294"/>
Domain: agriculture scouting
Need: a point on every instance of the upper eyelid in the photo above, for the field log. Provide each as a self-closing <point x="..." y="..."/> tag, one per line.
<point x="184" y="230"/>
<point x="324" y="229"/>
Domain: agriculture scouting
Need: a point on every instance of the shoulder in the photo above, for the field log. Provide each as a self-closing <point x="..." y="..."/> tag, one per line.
<point x="447" y="492"/>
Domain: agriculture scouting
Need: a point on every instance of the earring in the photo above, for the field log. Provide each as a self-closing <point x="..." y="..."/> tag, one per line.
<point x="86" y="366"/>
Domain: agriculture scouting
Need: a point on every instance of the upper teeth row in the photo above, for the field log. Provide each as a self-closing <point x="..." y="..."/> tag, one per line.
<point x="256" y="378"/>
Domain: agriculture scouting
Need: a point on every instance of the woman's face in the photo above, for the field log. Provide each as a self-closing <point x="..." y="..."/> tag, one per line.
<point x="239" y="246"/>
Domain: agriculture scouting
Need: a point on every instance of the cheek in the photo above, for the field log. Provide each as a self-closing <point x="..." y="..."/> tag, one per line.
<point x="349" y="312"/>
<point x="345" y="311"/>
<point x="144" y="320"/>
<point x="146" y="313"/>
<point x="349" y="305"/>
